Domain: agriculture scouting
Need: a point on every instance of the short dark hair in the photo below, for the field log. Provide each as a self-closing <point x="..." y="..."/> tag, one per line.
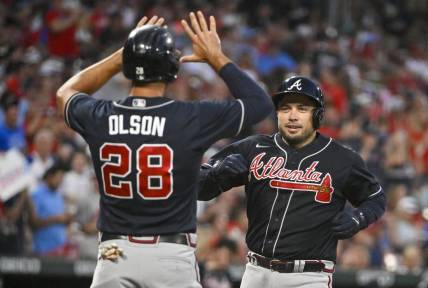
<point x="8" y="100"/>
<point x="227" y="243"/>
<point x="56" y="167"/>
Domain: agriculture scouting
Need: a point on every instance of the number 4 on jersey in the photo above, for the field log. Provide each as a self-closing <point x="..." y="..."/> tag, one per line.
<point x="154" y="166"/>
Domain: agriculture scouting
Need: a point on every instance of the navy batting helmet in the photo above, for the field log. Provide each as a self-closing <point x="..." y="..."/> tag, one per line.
<point x="302" y="86"/>
<point x="149" y="55"/>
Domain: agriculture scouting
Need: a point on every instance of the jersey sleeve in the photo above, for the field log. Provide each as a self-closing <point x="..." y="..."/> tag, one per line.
<point x="210" y="187"/>
<point x="79" y="111"/>
<point x="361" y="184"/>
<point x="233" y="148"/>
<point x="258" y="104"/>
<point x="219" y="120"/>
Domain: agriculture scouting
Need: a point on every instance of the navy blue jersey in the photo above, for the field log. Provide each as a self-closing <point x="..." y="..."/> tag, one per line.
<point x="147" y="151"/>
<point x="293" y="194"/>
<point x="146" y="154"/>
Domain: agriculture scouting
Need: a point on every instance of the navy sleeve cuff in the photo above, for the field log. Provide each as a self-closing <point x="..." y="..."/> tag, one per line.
<point x="227" y="69"/>
<point x="372" y="209"/>
<point x="258" y="104"/>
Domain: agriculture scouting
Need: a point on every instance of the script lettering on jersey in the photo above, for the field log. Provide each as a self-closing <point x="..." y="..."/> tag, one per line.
<point x="273" y="169"/>
<point x="299" y="180"/>
<point x="138" y="125"/>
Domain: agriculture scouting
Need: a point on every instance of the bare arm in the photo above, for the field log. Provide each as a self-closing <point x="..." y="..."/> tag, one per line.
<point x="12" y="213"/>
<point x="57" y="219"/>
<point x="37" y="222"/>
<point x="89" y="80"/>
<point x="94" y="77"/>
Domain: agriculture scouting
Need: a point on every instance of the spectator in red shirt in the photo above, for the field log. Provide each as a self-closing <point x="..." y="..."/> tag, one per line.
<point x="62" y="22"/>
<point x="334" y="91"/>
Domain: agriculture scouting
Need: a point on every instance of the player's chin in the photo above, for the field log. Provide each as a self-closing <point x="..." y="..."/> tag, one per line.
<point x="291" y="137"/>
<point x="291" y="133"/>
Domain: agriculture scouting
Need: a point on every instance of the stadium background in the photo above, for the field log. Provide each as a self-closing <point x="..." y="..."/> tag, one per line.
<point x="370" y="57"/>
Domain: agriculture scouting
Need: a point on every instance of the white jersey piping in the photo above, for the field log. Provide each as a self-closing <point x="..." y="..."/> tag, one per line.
<point x="142" y="108"/>
<point x="292" y="192"/>
<point x="241" y="123"/>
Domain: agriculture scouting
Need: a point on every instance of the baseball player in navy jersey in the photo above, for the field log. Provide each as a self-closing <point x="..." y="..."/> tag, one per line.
<point x="297" y="182"/>
<point x="147" y="149"/>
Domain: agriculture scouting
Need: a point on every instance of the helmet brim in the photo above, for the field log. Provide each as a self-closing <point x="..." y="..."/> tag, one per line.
<point x="277" y="97"/>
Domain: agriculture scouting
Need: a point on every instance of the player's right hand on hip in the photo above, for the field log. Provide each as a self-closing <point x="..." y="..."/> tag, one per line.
<point x="231" y="167"/>
<point x="346" y="224"/>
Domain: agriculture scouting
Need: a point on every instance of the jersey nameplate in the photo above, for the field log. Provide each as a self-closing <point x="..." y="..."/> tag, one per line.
<point x="137" y="125"/>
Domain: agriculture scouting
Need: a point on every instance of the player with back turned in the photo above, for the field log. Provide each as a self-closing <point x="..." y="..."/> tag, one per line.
<point x="147" y="148"/>
<point x="297" y="182"/>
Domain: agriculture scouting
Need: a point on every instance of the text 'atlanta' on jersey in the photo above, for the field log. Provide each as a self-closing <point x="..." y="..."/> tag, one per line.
<point x="292" y="194"/>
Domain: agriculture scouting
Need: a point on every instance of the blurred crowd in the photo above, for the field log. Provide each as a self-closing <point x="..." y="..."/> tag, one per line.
<point x="370" y="58"/>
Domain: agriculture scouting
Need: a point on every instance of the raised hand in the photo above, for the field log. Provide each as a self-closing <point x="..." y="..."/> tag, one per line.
<point x="206" y="43"/>
<point x="231" y="170"/>
<point x="155" y="20"/>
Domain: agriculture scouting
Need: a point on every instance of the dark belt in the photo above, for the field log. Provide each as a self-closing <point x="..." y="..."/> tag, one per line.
<point x="184" y="238"/>
<point x="284" y="266"/>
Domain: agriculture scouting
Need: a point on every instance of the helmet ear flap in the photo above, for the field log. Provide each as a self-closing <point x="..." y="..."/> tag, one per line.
<point x="317" y="117"/>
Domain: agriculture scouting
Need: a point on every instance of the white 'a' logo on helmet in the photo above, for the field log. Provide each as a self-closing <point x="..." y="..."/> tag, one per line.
<point x="297" y="85"/>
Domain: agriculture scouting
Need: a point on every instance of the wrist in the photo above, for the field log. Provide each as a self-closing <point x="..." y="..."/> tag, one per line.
<point x="219" y="61"/>
<point x="213" y="176"/>
<point x="361" y="218"/>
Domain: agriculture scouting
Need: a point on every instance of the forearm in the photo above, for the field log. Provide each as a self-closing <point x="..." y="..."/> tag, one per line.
<point x="37" y="222"/>
<point x="90" y="228"/>
<point x="257" y="102"/>
<point x="90" y="79"/>
<point x="95" y="76"/>
<point x="214" y="180"/>
<point x="217" y="63"/>
<point x="13" y="213"/>
<point x="40" y="223"/>
<point x="372" y="209"/>
<point x="208" y="186"/>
